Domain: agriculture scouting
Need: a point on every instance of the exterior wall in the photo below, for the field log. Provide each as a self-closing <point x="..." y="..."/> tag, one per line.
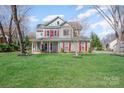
<point x="61" y="35"/>
<point x="122" y="46"/>
<point x="42" y="33"/>
<point x="112" y="45"/>
<point x="38" y="35"/>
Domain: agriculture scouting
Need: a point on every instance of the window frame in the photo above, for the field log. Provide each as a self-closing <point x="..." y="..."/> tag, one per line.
<point x="48" y="33"/>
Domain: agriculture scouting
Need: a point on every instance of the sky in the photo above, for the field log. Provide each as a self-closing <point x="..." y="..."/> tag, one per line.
<point x="83" y="14"/>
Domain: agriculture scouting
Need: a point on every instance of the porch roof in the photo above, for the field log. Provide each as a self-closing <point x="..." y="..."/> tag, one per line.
<point x="61" y="39"/>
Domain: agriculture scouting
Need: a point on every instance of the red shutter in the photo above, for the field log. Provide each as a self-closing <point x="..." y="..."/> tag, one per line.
<point x="80" y="46"/>
<point x="69" y="46"/>
<point x="51" y="33"/>
<point x="85" y="45"/>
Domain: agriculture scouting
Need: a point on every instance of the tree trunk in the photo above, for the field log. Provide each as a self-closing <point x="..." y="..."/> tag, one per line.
<point x="2" y="31"/>
<point x="15" y="18"/>
<point x="10" y="30"/>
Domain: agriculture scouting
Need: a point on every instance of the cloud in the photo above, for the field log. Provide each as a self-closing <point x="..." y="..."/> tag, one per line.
<point x="50" y="17"/>
<point x="104" y="33"/>
<point x="104" y="28"/>
<point x="32" y="18"/>
<point x="87" y="14"/>
<point x="103" y="24"/>
<point x="83" y="16"/>
<point x="79" y="7"/>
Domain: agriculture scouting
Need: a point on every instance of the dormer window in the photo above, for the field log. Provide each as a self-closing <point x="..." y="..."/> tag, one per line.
<point x="57" y="22"/>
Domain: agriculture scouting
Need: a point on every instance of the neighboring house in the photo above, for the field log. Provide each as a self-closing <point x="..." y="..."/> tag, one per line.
<point x="112" y="45"/>
<point x="6" y="31"/>
<point x="2" y="39"/>
<point x="1" y="36"/>
<point x="59" y="36"/>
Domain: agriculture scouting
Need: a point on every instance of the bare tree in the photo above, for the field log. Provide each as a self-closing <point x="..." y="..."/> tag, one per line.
<point x="114" y="15"/>
<point x="10" y="30"/>
<point x="16" y="21"/>
<point x="2" y="31"/>
<point x="1" y="25"/>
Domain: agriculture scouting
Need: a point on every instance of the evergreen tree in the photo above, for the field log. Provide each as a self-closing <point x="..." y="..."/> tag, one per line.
<point x="95" y="42"/>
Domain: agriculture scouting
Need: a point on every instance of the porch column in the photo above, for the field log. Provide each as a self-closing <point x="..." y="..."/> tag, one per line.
<point x="32" y="47"/>
<point x="85" y="45"/>
<point x="36" y="46"/>
<point x="49" y="47"/>
<point x="41" y="46"/>
<point x="70" y="46"/>
<point x="80" y="46"/>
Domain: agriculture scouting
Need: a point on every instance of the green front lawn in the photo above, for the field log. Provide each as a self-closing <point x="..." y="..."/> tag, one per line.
<point x="61" y="70"/>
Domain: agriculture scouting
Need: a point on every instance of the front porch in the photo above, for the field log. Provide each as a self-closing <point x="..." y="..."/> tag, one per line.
<point x="44" y="47"/>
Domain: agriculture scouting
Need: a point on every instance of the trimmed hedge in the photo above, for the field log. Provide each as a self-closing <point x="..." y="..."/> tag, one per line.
<point x="8" y="48"/>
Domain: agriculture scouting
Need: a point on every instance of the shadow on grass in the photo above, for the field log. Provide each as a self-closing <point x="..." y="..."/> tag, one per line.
<point x="46" y="54"/>
<point x="88" y="54"/>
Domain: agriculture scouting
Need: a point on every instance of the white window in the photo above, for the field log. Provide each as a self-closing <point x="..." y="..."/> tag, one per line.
<point x="55" y="33"/>
<point x="41" y="34"/>
<point x="48" y="33"/>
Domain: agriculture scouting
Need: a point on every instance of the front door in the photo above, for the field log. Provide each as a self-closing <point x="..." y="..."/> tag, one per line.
<point x="44" y="47"/>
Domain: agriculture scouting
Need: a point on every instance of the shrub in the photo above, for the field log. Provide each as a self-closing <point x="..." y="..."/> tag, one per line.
<point x="62" y="50"/>
<point x="8" y="48"/>
<point x="16" y="47"/>
<point x="90" y="50"/>
<point x="5" y="48"/>
<point x="99" y="48"/>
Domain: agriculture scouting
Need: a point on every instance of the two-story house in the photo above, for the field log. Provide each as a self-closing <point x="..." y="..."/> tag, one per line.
<point x="59" y="36"/>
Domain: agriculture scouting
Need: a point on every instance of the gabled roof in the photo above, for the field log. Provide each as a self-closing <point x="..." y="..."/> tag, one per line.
<point x="75" y="25"/>
<point x="63" y="23"/>
<point x="53" y="20"/>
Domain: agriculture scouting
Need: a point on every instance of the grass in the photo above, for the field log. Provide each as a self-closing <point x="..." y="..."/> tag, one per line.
<point x="61" y="70"/>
